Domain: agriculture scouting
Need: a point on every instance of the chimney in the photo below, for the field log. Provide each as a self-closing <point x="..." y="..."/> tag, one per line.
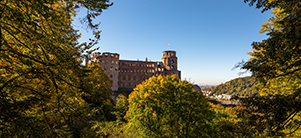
<point x="145" y="59"/>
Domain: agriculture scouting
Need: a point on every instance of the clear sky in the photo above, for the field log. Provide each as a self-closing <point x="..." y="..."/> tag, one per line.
<point x="210" y="36"/>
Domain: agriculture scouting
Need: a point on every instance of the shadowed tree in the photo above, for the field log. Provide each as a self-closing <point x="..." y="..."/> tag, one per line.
<point x="276" y="64"/>
<point x="40" y="88"/>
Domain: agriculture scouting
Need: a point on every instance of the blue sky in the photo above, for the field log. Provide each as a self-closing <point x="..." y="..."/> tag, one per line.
<point x="210" y="37"/>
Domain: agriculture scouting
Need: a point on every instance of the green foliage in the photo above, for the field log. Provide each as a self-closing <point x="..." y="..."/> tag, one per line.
<point x="112" y="129"/>
<point x="241" y="86"/>
<point x="227" y="124"/>
<point x="169" y="107"/>
<point x="96" y="90"/>
<point x="271" y="115"/>
<point x="40" y="87"/>
<point x="121" y="107"/>
<point x="276" y="64"/>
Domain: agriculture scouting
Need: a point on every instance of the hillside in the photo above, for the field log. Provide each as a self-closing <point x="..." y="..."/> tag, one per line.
<point x="242" y="86"/>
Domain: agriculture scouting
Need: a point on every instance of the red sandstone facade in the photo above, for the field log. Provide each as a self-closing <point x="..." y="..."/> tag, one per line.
<point x="129" y="73"/>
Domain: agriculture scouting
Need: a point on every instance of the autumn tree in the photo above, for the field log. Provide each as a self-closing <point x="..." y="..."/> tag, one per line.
<point x="96" y="90"/>
<point x="169" y="107"/>
<point x="121" y="107"/>
<point x="40" y="65"/>
<point x="275" y="63"/>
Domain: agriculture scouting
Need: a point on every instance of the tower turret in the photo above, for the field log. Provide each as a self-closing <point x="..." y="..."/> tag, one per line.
<point x="170" y="60"/>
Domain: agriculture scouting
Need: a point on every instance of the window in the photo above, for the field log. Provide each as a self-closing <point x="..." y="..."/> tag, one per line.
<point x="172" y="61"/>
<point x="112" y="61"/>
<point x="111" y="68"/>
<point x="134" y="78"/>
<point x="116" y="62"/>
<point x="105" y="68"/>
<point x="172" y="66"/>
<point x="116" y="68"/>
<point x="106" y="61"/>
<point x="129" y="77"/>
<point x="123" y="78"/>
<point x="111" y="76"/>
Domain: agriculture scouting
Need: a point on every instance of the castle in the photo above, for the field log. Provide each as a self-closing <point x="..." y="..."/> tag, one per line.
<point x="129" y="73"/>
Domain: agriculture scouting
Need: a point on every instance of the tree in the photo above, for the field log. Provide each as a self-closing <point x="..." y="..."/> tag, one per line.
<point x="275" y="63"/>
<point x="241" y="86"/>
<point x="121" y="107"/>
<point x="169" y="107"/>
<point x="40" y="88"/>
<point x="96" y="90"/>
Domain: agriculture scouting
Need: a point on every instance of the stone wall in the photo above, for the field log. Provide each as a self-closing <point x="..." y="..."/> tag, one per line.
<point x="129" y="73"/>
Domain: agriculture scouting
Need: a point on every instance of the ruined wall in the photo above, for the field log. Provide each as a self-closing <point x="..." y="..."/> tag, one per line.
<point x="129" y="73"/>
<point x="110" y="64"/>
<point x="132" y="73"/>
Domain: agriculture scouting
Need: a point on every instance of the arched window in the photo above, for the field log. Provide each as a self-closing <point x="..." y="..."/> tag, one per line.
<point x="172" y="66"/>
<point x="172" y="61"/>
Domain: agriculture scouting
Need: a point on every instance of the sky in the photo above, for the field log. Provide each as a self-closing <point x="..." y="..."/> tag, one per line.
<point x="210" y="37"/>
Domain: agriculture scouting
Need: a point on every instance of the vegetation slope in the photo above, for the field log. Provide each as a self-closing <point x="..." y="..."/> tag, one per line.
<point x="242" y="86"/>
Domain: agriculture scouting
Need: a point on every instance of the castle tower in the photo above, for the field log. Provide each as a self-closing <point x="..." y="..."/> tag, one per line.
<point x="110" y="64"/>
<point x="170" y="60"/>
<point x="170" y="63"/>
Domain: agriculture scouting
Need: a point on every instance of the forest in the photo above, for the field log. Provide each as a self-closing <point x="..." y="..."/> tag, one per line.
<point x="244" y="86"/>
<point x="46" y="91"/>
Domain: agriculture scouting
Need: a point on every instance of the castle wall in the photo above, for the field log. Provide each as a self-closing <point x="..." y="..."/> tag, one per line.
<point x="132" y="73"/>
<point x="129" y="73"/>
<point x="110" y="64"/>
